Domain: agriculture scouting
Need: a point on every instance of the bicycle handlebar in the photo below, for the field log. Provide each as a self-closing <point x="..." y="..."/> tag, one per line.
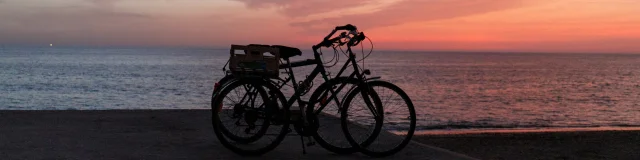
<point x="326" y="42"/>
<point x="357" y="39"/>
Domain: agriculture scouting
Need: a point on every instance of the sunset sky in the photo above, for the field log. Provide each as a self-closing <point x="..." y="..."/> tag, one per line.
<point x="452" y="25"/>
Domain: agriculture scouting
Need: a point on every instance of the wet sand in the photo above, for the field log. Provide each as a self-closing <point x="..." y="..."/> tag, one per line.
<point x="616" y="144"/>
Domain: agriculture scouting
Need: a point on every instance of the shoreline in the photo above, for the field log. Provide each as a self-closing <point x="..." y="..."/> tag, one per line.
<point x="467" y="131"/>
<point x="521" y="130"/>
<point x="543" y="144"/>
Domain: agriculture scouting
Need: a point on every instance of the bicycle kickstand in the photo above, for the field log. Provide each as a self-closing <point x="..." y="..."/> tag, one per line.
<point x="304" y="150"/>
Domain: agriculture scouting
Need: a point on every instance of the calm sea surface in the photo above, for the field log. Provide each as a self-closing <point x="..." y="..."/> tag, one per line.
<point x="449" y="90"/>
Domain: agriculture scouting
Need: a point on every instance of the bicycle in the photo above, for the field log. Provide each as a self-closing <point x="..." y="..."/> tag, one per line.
<point x="280" y="116"/>
<point x="304" y="131"/>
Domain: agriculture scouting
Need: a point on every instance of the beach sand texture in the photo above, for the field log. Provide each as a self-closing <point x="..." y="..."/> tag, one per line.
<point x="145" y="134"/>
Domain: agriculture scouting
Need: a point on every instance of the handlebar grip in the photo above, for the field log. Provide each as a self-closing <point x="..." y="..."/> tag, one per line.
<point x="347" y="27"/>
<point x="361" y="36"/>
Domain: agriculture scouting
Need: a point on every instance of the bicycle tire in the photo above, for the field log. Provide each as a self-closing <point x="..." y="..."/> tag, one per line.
<point x="366" y="147"/>
<point x="221" y="84"/>
<point x="220" y="130"/>
<point x="323" y="140"/>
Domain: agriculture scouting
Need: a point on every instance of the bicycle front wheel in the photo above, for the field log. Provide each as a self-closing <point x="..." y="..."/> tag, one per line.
<point x="379" y="132"/>
<point x="324" y="112"/>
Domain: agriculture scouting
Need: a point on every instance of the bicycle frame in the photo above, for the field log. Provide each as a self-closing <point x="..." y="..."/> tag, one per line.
<point x="319" y="69"/>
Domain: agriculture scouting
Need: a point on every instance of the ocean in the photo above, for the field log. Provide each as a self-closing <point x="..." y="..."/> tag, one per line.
<point x="450" y="90"/>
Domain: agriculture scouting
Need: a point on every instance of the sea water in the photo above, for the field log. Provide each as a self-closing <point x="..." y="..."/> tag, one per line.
<point x="450" y="90"/>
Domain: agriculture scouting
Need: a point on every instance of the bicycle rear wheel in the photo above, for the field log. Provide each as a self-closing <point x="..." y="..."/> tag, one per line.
<point x="243" y="117"/>
<point x="390" y="126"/>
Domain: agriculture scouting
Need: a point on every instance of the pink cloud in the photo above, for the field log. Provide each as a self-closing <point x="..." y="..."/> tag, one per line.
<point x="414" y="11"/>
<point x="299" y="8"/>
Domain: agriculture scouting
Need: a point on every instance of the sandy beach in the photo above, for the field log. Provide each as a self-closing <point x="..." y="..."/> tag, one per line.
<point x="187" y="134"/>
<point x="147" y="134"/>
<point x="620" y="145"/>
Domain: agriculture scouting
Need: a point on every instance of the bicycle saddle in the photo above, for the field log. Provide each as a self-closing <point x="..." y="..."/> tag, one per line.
<point x="285" y="51"/>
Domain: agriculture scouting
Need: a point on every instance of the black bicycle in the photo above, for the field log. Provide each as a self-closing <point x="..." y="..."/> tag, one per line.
<point x="260" y="106"/>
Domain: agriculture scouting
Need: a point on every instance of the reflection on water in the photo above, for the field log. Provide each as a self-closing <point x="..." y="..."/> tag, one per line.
<point x="449" y="90"/>
<point x="455" y="90"/>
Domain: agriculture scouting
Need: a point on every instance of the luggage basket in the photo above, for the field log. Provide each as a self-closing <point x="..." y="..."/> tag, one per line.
<point x="253" y="61"/>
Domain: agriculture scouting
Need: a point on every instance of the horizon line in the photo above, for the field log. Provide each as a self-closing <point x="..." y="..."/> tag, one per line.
<point x="309" y="50"/>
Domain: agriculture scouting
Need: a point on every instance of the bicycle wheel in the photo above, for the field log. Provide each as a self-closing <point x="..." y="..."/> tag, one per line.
<point x="244" y="121"/>
<point x="323" y="112"/>
<point x="228" y="79"/>
<point x="392" y="128"/>
<point x="222" y="82"/>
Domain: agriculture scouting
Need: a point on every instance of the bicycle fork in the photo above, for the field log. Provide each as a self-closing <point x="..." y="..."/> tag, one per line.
<point x="369" y="97"/>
